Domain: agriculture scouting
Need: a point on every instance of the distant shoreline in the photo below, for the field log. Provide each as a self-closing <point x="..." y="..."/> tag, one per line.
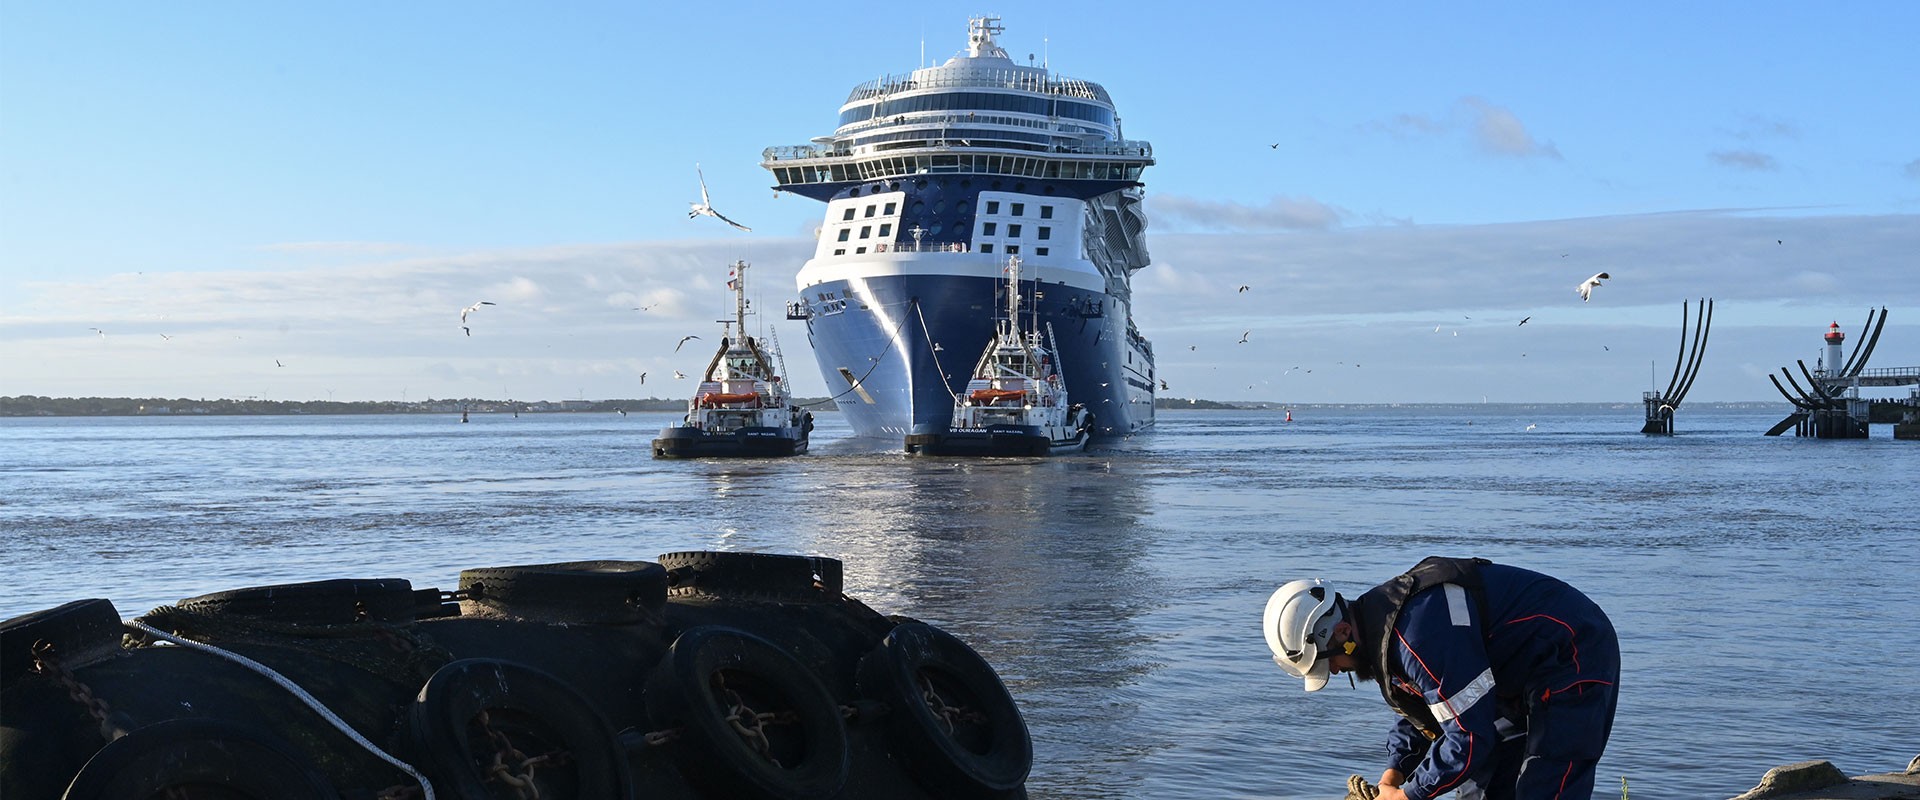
<point x="35" y="406"/>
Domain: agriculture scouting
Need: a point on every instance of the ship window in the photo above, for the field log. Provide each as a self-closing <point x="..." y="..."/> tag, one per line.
<point x="1039" y="251"/>
<point x="889" y="209"/>
<point x="886" y="229"/>
<point x="939" y="206"/>
<point x="1046" y="212"/>
<point x="1046" y="232"/>
<point x="844" y="233"/>
<point x="840" y="251"/>
<point x="870" y="210"/>
<point x="1019" y="209"/>
<point x="859" y="250"/>
<point x="1013" y="230"/>
<point x="918" y="208"/>
<point x="986" y="228"/>
<point x="849" y="214"/>
<point x="961" y="207"/>
<point x="937" y="227"/>
<point x="986" y="248"/>
<point x="993" y="206"/>
<point x="1013" y="249"/>
<point x="865" y="231"/>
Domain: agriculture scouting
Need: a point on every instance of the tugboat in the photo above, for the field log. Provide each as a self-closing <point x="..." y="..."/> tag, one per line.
<point x="1016" y="402"/>
<point x="743" y="407"/>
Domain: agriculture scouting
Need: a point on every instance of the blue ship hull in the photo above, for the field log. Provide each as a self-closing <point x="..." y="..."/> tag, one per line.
<point x="898" y="352"/>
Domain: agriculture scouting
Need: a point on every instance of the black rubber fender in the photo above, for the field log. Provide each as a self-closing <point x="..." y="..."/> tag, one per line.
<point x="610" y="592"/>
<point x="80" y="632"/>
<point x="331" y="602"/>
<point x="695" y="688"/>
<point x="535" y="712"/>
<point x="204" y="757"/>
<point x="768" y="575"/>
<point x="975" y="742"/>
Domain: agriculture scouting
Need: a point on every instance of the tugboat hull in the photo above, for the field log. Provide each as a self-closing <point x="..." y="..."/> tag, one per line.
<point x="684" y="442"/>
<point x="997" y="440"/>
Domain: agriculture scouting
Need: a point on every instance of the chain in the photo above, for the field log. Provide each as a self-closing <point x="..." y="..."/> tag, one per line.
<point x="750" y="724"/>
<point x="520" y="774"/>
<point x="46" y="662"/>
<point x="947" y="713"/>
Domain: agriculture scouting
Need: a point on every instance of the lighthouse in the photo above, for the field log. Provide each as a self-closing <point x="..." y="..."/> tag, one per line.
<point x="1834" y="339"/>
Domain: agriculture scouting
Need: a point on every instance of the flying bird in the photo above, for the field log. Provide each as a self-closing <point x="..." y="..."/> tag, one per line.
<point x="705" y="206"/>
<point x="276" y="362"/>
<point x="472" y="308"/>
<point x="467" y="329"/>
<point x="166" y="337"/>
<point x="103" y="334"/>
<point x="1523" y="320"/>
<point x="1243" y="337"/>
<point x="1586" y="286"/>
<point x="643" y="379"/>
<point x="678" y="375"/>
<point x="1244" y="287"/>
<point x="647" y="307"/>
<point x="1163" y="384"/>
<point x="683" y="341"/>
<point x="1529" y="426"/>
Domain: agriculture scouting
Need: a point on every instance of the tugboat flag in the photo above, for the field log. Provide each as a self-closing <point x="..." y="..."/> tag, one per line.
<point x="733" y="280"/>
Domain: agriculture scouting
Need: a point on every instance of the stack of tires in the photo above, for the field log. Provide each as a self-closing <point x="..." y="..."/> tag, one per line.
<point x="704" y="674"/>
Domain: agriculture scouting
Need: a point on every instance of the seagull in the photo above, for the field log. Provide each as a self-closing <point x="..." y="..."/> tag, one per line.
<point x="648" y="307"/>
<point x="1586" y="286"/>
<point x="678" y="375"/>
<point x="103" y="334"/>
<point x="166" y="337"/>
<point x="1163" y="384"/>
<point x="705" y="206"/>
<point x="623" y="412"/>
<point x="683" y="340"/>
<point x="643" y="379"/>
<point x="1193" y="347"/>
<point x="1244" y="287"/>
<point x="276" y="362"/>
<point x="1523" y="320"/>
<point x="1529" y="426"/>
<point x="1243" y="337"/>
<point x="472" y="308"/>
<point x="1436" y="329"/>
<point x="1275" y="145"/>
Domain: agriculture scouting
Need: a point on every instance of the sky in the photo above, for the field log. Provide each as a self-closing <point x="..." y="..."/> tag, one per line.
<point x="294" y="201"/>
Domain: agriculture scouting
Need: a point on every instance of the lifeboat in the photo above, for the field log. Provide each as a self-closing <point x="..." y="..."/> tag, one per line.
<point x="712" y="399"/>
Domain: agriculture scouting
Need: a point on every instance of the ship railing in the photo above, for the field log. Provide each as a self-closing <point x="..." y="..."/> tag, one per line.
<point x="1126" y="148"/>
<point x="1023" y="80"/>
<point x="923" y="247"/>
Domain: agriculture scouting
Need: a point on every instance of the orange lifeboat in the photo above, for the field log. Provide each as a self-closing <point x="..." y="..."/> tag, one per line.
<point x="991" y="396"/>
<point x="712" y="399"/>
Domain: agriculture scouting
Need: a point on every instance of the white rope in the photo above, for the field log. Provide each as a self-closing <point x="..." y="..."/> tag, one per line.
<point x="937" y="366"/>
<point x="285" y="683"/>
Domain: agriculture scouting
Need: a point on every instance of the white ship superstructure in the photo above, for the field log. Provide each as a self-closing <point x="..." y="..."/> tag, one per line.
<point x="932" y="180"/>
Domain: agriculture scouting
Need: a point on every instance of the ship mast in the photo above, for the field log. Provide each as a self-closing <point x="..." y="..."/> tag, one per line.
<point x="737" y="281"/>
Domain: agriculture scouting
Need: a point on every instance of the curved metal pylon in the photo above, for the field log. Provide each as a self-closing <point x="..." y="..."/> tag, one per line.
<point x="1686" y="368"/>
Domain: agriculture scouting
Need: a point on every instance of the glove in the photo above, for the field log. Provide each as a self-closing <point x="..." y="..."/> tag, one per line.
<point x="1359" y="789"/>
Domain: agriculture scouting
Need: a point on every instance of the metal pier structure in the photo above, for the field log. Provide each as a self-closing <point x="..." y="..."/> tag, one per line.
<point x="1830" y="405"/>
<point x="1686" y="367"/>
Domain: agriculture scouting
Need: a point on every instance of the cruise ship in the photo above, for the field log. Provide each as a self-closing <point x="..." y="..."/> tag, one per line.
<point x="933" y="181"/>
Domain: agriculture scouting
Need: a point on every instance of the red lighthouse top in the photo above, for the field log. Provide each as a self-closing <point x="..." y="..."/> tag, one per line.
<point x="1834" y="334"/>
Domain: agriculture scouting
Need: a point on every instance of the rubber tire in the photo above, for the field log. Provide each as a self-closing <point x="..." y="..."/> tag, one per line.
<point x="767" y="575"/>
<point x="993" y="757"/>
<point x="537" y="703"/>
<point x="199" y="752"/>
<point x="332" y="602"/>
<point x="611" y="592"/>
<point x="680" y="694"/>
<point x="81" y="632"/>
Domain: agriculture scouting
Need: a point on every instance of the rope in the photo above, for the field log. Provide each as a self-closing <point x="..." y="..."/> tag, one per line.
<point x="936" y="356"/>
<point x="876" y="364"/>
<point x="294" y="688"/>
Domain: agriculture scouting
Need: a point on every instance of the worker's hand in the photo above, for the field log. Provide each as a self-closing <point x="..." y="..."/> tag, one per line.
<point x="1391" y="793"/>
<point x="1392" y="777"/>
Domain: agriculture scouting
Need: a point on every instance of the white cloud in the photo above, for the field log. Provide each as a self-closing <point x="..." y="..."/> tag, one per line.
<point x="1278" y="214"/>
<point x="566" y="326"/>
<point x="1745" y="159"/>
<point x="1498" y="131"/>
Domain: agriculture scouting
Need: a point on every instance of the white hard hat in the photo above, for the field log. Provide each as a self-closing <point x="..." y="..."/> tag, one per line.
<point x="1299" y="626"/>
